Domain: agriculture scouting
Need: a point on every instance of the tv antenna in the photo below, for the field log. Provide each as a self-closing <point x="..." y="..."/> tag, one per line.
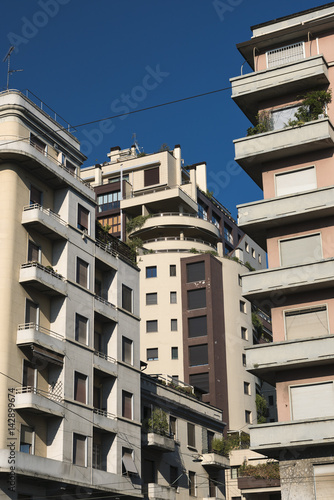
<point x="7" y="58"/>
<point x="134" y="138"/>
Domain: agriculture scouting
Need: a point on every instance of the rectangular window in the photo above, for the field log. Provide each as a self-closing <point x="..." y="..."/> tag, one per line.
<point x="38" y="144"/>
<point x="35" y="196"/>
<point x="253" y="253"/>
<point x="83" y="218"/>
<point x="196" y="272"/>
<point x="151" y="299"/>
<point x="152" y="354"/>
<point x="126" y="298"/>
<point x="172" y="270"/>
<point x="70" y="167"/>
<point x="80" y="450"/>
<point x="128" y="464"/>
<point x="244" y="333"/>
<point x="234" y="472"/>
<point x="323" y="481"/>
<point x="173" y="298"/>
<point x="202" y="211"/>
<point x="201" y="381"/>
<point x="172" y="426"/>
<point x="127" y="404"/>
<point x="80" y="387"/>
<point x="215" y="220"/>
<point x="173" y="325"/>
<point x="192" y="483"/>
<point x="81" y="328"/>
<point x="300" y="250"/>
<point x="304" y="323"/>
<point x="151" y="326"/>
<point x="173" y="476"/>
<point x="280" y="117"/>
<point x="127" y="350"/>
<point x="32" y="313"/>
<point x="239" y="280"/>
<point x="271" y="400"/>
<point x="244" y="360"/>
<point x="197" y="326"/>
<point x="285" y="55"/>
<point x="175" y="353"/>
<point x="27" y="437"/>
<point x="108" y="201"/>
<point x="210" y="438"/>
<point x="247" y="388"/>
<point x="151" y="176"/>
<point x="34" y="252"/>
<point x="29" y="375"/>
<point x="242" y="306"/>
<point x="295" y="181"/>
<point x="196" y="298"/>
<point x="97" y="456"/>
<point x="312" y="401"/>
<point x="113" y="223"/>
<point x="248" y="417"/>
<point x="82" y="273"/>
<point x="198" y="355"/>
<point x="191" y="435"/>
<point x="228" y="234"/>
<point x="151" y="272"/>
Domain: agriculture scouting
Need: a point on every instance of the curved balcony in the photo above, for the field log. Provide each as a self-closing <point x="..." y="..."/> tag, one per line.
<point x="253" y="150"/>
<point x="104" y="309"/>
<point x="42" y="278"/>
<point x="30" y="333"/>
<point x="44" y="221"/>
<point x="181" y="244"/>
<point x="38" y="401"/>
<point x="157" y="198"/>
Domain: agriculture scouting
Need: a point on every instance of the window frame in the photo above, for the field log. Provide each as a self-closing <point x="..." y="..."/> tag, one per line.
<point x="173" y="297"/>
<point x="191" y="435"/>
<point x="174" y="352"/>
<point x="77" y="334"/>
<point x="76" y="437"/>
<point x="127" y="289"/>
<point x="154" y="296"/>
<point x="151" y="270"/>
<point x="129" y="343"/>
<point x="77" y="276"/>
<point x="127" y="403"/>
<point x="84" y="378"/>
<point x="33" y="247"/>
<point x="83" y="212"/>
<point x="173" y="325"/>
<point x="151" y="322"/>
<point x="172" y="269"/>
<point x="152" y="354"/>
<point x="24" y="443"/>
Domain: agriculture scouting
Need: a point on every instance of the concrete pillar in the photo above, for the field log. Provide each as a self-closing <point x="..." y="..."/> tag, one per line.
<point x="177" y="156"/>
<point x="98" y="174"/>
<point x="193" y="183"/>
<point x="220" y="249"/>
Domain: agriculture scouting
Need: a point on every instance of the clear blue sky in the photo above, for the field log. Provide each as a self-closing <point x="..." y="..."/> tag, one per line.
<point x="94" y="59"/>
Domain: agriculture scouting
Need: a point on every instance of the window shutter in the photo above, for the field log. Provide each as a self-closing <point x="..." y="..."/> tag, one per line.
<point x="198" y="355"/>
<point x="127" y="350"/>
<point x="151" y="176"/>
<point x="195" y="272"/>
<point x="127" y="405"/>
<point x="80" y="388"/>
<point x="31" y="312"/>
<point x="197" y="326"/>
<point x="323" y="479"/>
<point x="300" y="250"/>
<point x="196" y="298"/>
<point x="200" y="380"/>
<point x="82" y="272"/>
<point x="312" y="401"/>
<point x="79" y="450"/>
<point x="83" y="216"/>
<point x="306" y="323"/>
<point x="296" y="181"/>
<point x="81" y="328"/>
<point x="151" y="299"/>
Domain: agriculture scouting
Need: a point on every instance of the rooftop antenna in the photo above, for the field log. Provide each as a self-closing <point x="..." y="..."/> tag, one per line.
<point x="7" y="58"/>
<point x="134" y="138"/>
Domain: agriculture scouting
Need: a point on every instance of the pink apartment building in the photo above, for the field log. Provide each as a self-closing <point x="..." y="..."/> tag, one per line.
<point x="294" y="165"/>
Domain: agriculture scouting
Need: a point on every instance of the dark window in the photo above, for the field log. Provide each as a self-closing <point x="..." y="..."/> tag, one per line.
<point x="201" y="381"/>
<point x="81" y="324"/>
<point x="248" y="415"/>
<point x="198" y="355"/>
<point x="151" y="272"/>
<point x="212" y="487"/>
<point x="128" y="464"/>
<point x="152" y="325"/>
<point x="70" y="167"/>
<point x="271" y="400"/>
<point x="196" y="272"/>
<point x="29" y="374"/>
<point x="242" y="306"/>
<point x="126" y="298"/>
<point x="196" y="298"/>
<point x="247" y="388"/>
<point x="151" y="176"/>
<point x="173" y="297"/>
<point x="175" y="353"/>
<point x="32" y="310"/>
<point x="79" y="450"/>
<point x="191" y="434"/>
<point x="192" y="483"/>
<point x="82" y="273"/>
<point x="239" y="280"/>
<point x="152" y="354"/>
<point x="202" y="210"/>
<point x="37" y="143"/>
<point x="127" y="404"/>
<point x="215" y="220"/>
<point x="97" y="456"/>
<point x="244" y="333"/>
<point x="83" y="218"/>
<point x="173" y="476"/>
<point x="210" y="437"/>
<point x="80" y="387"/>
<point x="127" y="350"/>
<point x="172" y="270"/>
<point x="172" y="426"/>
<point x="26" y="439"/>
<point x="197" y="326"/>
<point x="35" y="196"/>
<point x="98" y="342"/>
<point x="244" y="359"/>
<point x="33" y="252"/>
<point x="149" y="474"/>
<point x="173" y="325"/>
<point x="228" y="233"/>
<point x="151" y="299"/>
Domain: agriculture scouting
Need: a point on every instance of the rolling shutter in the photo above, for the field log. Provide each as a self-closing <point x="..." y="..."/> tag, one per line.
<point x="296" y="181"/>
<point x="306" y="323"/>
<point x="312" y="401"/>
<point x="300" y="250"/>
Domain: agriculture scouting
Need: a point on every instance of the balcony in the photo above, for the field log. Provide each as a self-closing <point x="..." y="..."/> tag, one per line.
<point x="44" y="221"/>
<point x="275" y="438"/>
<point x="215" y="461"/>
<point x="258" y="486"/>
<point x="158" y="198"/>
<point x="105" y="363"/>
<point x="255" y="218"/>
<point x="265" y="284"/>
<point x="33" y="400"/>
<point x="158" y="442"/>
<point x="160" y="492"/>
<point x="105" y="420"/>
<point x="265" y="360"/>
<point x="104" y="309"/>
<point x="253" y="150"/>
<point x="44" y="279"/>
<point x="30" y="333"/>
<point x="296" y="77"/>
<point x="178" y="244"/>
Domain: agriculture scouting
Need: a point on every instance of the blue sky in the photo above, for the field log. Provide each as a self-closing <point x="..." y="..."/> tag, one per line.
<point x="95" y="59"/>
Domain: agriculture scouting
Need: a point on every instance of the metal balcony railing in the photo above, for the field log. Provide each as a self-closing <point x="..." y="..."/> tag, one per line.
<point x="104" y="301"/>
<point x="46" y="211"/>
<point x="172" y="238"/>
<point x="102" y="355"/>
<point x="43" y="268"/>
<point x="35" y="326"/>
<point x="53" y="394"/>
<point x="104" y="413"/>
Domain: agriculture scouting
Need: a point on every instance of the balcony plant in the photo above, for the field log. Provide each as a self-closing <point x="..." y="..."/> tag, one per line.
<point x="263" y="124"/>
<point x="136" y="223"/>
<point x="261" y="409"/>
<point x="158" y="422"/>
<point x="267" y="470"/>
<point x="313" y="104"/>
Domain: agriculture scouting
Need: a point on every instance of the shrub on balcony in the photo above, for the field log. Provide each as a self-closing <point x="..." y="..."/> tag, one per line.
<point x="314" y="104"/>
<point x="158" y="422"/>
<point x="263" y="125"/>
<point x="261" y="409"/>
<point x="136" y="222"/>
<point x="268" y="470"/>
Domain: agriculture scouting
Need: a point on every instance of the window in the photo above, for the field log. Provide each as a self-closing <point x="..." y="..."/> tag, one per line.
<point x="242" y="306"/>
<point x="33" y="252"/>
<point x="38" y="144"/>
<point x="126" y="298"/>
<point x="127" y="350"/>
<point x="215" y="219"/>
<point x="280" y="117"/>
<point x="295" y="181"/>
<point x="173" y="297"/>
<point x="212" y="487"/>
<point x="197" y="326"/>
<point x="244" y="333"/>
<point x="198" y="355"/>
<point x="175" y="353"/>
<point x="234" y="473"/>
<point x="173" y="476"/>
<point x="80" y="387"/>
<point x="113" y="222"/>
<point x="151" y="299"/>
<point x="172" y="426"/>
<point x="151" y="176"/>
<point x="202" y="211"/>
<point x="285" y="55"/>
<point x="70" y="167"/>
<point x="312" y="400"/>
<point x="271" y="400"/>
<point x="173" y="325"/>
<point x="192" y="483"/>
<point x="128" y="464"/>
<point x="29" y="375"/>
<point x="210" y="438"/>
<point x="196" y="298"/>
<point x="239" y="280"/>
<point x="32" y="313"/>
<point x="151" y="326"/>
<point x="228" y="234"/>
<point x="191" y="435"/>
<point x="172" y="270"/>
<point x="196" y="272"/>
<point x="98" y="342"/>
<point x="247" y="388"/>
<point x="27" y="438"/>
<point x="149" y="471"/>
<point x="247" y="247"/>
<point x="127" y="404"/>
<point x="260" y="258"/>
<point x="151" y="272"/>
<point x="304" y="323"/>
<point x="248" y="417"/>
<point x="300" y="250"/>
<point x="201" y="381"/>
<point x="80" y="450"/>
<point x="97" y="456"/>
<point x="82" y="273"/>
<point x="244" y="360"/>
<point x="323" y="481"/>
<point x="35" y="196"/>
<point x="253" y="253"/>
<point x="83" y="218"/>
<point x="81" y="328"/>
<point x="108" y="201"/>
<point x="152" y="354"/>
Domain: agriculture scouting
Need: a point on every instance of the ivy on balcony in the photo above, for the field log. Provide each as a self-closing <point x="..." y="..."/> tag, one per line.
<point x="267" y="470"/>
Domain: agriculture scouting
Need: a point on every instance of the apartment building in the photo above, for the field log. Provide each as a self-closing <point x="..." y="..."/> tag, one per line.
<point x="291" y="160"/>
<point x="70" y="361"/>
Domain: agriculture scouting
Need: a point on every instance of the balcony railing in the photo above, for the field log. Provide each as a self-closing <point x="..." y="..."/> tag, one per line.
<point x="35" y="326"/>
<point x="172" y="238"/>
<point x="102" y="355"/>
<point x="104" y="413"/>
<point x="104" y="301"/>
<point x="46" y="211"/>
<point x="54" y="395"/>
<point x="46" y="269"/>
